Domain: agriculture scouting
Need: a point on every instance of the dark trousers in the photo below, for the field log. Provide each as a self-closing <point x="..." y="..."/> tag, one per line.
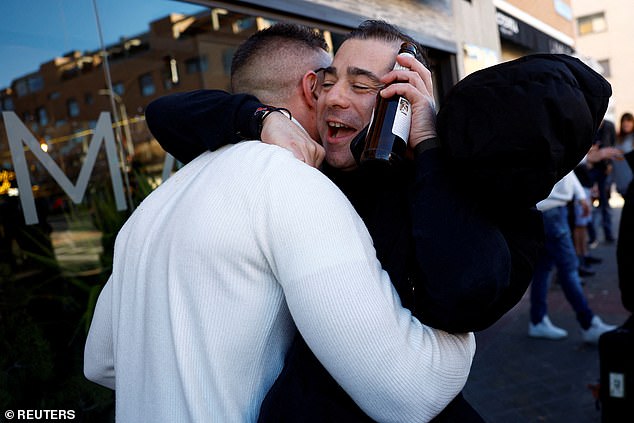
<point x="625" y="250"/>
<point x="604" y="210"/>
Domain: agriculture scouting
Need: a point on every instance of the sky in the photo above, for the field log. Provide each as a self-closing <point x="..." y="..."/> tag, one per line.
<point x="36" y="31"/>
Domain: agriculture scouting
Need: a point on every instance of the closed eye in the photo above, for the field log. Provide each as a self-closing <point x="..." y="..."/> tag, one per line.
<point x="326" y="85"/>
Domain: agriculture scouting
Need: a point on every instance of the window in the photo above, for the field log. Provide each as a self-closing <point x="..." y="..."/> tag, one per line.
<point x="592" y="24"/>
<point x="244" y="24"/>
<point x="118" y="88"/>
<point x="73" y="107"/>
<point x="563" y="9"/>
<point x="21" y="88"/>
<point x="28" y="85"/>
<point x="88" y="98"/>
<point x="7" y="104"/>
<point x="146" y="84"/>
<point x="42" y="116"/>
<point x="167" y="80"/>
<point x="54" y="95"/>
<point x="36" y="83"/>
<point x="196" y="64"/>
<point x="227" y="57"/>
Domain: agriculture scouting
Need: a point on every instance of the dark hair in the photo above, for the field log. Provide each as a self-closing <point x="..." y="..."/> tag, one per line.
<point x="280" y="33"/>
<point x="380" y="30"/>
<point x="625" y="116"/>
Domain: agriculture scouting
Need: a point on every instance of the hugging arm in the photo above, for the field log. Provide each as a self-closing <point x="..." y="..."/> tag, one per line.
<point x="476" y="268"/>
<point x="187" y="124"/>
<point x="347" y="310"/>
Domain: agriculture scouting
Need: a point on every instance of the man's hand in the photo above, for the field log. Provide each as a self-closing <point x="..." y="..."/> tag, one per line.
<point x="585" y="207"/>
<point x="279" y="130"/>
<point x="416" y="86"/>
<point x="597" y="154"/>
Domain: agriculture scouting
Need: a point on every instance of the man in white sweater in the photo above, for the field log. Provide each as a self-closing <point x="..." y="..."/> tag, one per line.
<point x="560" y="252"/>
<point x="220" y="265"/>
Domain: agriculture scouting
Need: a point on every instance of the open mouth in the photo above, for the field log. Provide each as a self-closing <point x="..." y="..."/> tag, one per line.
<point x="338" y="130"/>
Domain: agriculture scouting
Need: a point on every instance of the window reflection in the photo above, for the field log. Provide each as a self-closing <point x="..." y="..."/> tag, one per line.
<point x="147" y="84"/>
<point x="73" y="107"/>
<point x="177" y="52"/>
<point x="196" y="64"/>
<point x="42" y="116"/>
<point x="61" y="98"/>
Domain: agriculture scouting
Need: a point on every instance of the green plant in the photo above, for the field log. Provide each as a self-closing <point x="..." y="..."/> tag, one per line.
<point x="46" y="309"/>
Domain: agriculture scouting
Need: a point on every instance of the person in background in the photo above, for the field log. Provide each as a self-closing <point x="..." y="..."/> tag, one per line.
<point x="624" y="167"/>
<point x="560" y="252"/>
<point x="221" y="265"/>
<point x="622" y="174"/>
<point x="601" y="177"/>
<point x="625" y="139"/>
<point x="581" y="220"/>
<point x="581" y="223"/>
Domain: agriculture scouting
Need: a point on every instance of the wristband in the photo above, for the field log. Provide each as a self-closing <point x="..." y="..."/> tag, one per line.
<point x="262" y="112"/>
<point x="428" y="144"/>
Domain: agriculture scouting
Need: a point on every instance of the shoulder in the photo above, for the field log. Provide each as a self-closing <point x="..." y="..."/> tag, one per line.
<point x="273" y="163"/>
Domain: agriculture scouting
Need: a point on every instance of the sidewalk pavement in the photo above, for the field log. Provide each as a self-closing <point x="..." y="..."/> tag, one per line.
<point x="517" y="379"/>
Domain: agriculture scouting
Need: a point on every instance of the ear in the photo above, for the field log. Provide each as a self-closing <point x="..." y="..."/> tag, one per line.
<point x="309" y="83"/>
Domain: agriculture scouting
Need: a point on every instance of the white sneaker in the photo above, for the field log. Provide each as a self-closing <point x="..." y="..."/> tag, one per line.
<point x="545" y="329"/>
<point x="596" y="329"/>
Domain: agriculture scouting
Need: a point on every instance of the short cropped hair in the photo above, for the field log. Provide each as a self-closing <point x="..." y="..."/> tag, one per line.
<point x="270" y="61"/>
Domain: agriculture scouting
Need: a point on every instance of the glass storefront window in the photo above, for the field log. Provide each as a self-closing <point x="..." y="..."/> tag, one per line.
<point x="149" y="51"/>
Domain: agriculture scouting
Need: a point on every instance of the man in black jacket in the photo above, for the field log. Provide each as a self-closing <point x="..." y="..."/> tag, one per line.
<point x="456" y="266"/>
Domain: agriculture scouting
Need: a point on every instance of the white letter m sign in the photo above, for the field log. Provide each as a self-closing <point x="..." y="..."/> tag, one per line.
<point x="17" y="133"/>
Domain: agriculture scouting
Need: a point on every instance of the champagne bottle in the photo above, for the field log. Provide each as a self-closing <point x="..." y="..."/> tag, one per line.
<point x="391" y="120"/>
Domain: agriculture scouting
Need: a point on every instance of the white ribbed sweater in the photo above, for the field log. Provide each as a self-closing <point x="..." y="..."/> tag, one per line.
<point x="564" y="191"/>
<point x="212" y="273"/>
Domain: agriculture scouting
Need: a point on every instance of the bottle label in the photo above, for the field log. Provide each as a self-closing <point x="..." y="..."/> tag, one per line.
<point x="402" y="120"/>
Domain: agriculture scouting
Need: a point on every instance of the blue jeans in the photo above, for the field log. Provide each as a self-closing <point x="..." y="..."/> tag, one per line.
<point x="604" y="183"/>
<point x="559" y="251"/>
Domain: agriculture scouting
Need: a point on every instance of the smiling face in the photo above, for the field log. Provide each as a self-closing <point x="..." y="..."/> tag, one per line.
<point x="348" y="93"/>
